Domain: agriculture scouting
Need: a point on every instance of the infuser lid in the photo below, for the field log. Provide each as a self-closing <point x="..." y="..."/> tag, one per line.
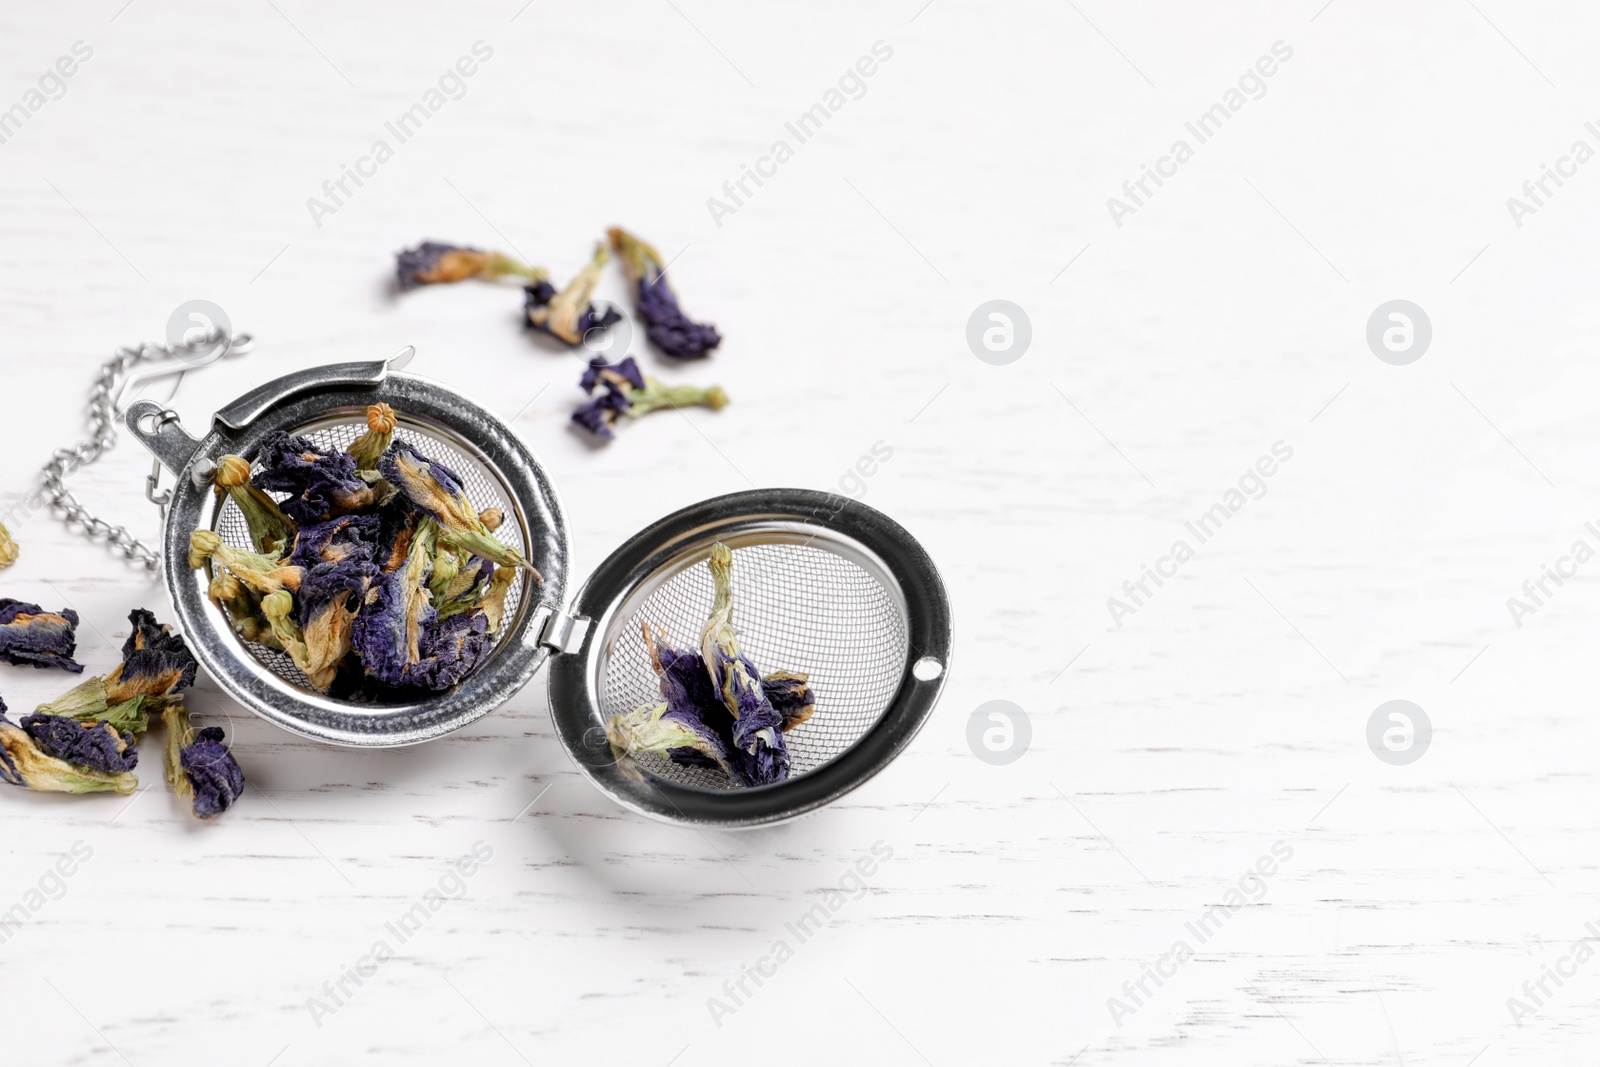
<point x="823" y="585"/>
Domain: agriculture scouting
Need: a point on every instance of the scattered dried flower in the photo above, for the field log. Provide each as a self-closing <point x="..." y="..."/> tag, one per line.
<point x="23" y="763"/>
<point x="95" y="745"/>
<point x="199" y="766"/>
<point x="626" y="391"/>
<point x="433" y="263"/>
<point x="568" y="316"/>
<point x="668" y="328"/>
<point x="31" y="635"/>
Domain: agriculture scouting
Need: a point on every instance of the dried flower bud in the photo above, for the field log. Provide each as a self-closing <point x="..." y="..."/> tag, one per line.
<point x="31" y="635"/>
<point x="380" y="434"/>
<point x="433" y="263"/>
<point x="668" y="328"/>
<point x="491" y="518"/>
<point x="264" y="574"/>
<point x="8" y="548"/>
<point x="270" y="529"/>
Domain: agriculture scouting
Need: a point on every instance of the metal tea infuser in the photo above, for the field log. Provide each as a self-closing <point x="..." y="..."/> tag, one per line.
<point x="824" y="585"/>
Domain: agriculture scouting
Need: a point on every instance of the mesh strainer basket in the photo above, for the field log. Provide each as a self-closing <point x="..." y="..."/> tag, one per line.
<point x="823" y="585"/>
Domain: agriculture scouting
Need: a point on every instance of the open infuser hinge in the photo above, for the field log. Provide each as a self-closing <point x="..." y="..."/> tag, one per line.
<point x="563" y="632"/>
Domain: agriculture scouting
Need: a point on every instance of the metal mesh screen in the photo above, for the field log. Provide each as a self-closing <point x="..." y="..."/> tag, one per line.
<point x="797" y="607"/>
<point x="482" y="485"/>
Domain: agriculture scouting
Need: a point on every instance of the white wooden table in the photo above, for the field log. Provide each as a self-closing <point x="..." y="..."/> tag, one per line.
<point x="1072" y="906"/>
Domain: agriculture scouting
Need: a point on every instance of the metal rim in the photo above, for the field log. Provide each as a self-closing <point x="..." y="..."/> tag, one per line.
<point x="307" y="397"/>
<point x="574" y="676"/>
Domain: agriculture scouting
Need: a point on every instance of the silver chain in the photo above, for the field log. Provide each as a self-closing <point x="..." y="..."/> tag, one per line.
<point x="102" y="436"/>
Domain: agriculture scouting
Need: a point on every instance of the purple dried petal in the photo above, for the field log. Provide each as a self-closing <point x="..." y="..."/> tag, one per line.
<point x="212" y="771"/>
<point x="155" y="662"/>
<point x="95" y="745"/>
<point x="342" y="537"/>
<point x="322" y="484"/>
<point x="31" y="635"/>
<point x="668" y="328"/>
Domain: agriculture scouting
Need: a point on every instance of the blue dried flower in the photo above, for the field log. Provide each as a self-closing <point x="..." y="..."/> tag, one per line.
<point x="342" y="537"/>
<point x="668" y="328"/>
<point x="757" y="728"/>
<point x="329" y="600"/>
<point x="31" y="635"/>
<point x="434" y="262"/>
<point x="568" y="316"/>
<point x="322" y="484"/>
<point x="626" y="391"/>
<point x="657" y="729"/>
<point x="155" y="662"/>
<point x="95" y="745"/>
<point x="24" y="764"/>
<point x="692" y="702"/>
<point x="437" y="490"/>
<point x="199" y="765"/>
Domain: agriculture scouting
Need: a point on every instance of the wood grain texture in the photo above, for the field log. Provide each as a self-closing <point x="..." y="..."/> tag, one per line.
<point x="1168" y="754"/>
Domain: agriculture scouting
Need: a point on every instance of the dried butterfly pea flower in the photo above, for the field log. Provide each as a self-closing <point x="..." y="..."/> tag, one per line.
<point x="86" y="702"/>
<point x="437" y="489"/>
<point x="692" y="701"/>
<point x="668" y="328"/>
<point x="434" y="263"/>
<point x="199" y="766"/>
<point x="8" y="548"/>
<point x="342" y="537"/>
<point x="568" y="316"/>
<point x="271" y="532"/>
<point x="380" y="434"/>
<point x="23" y="763"/>
<point x="387" y="634"/>
<point x="790" y="694"/>
<point x="264" y="574"/>
<point x="322" y="484"/>
<point x="491" y="518"/>
<point x="329" y="600"/>
<point x="625" y="391"/>
<point x="451" y="647"/>
<point x="155" y="662"/>
<point x="657" y="729"/>
<point x="95" y="745"/>
<point x="756" y="728"/>
<point x="31" y="635"/>
<point x="401" y="639"/>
